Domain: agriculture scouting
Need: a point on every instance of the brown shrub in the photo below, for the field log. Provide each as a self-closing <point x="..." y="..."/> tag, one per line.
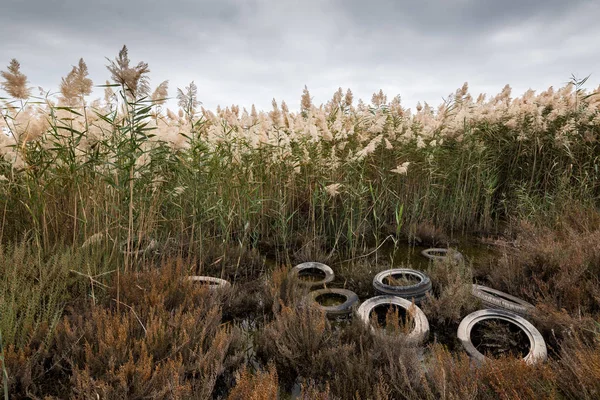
<point x="357" y="275"/>
<point x="578" y="368"/>
<point x="294" y="339"/>
<point x="263" y="385"/>
<point x="426" y="233"/>
<point x="555" y="267"/>
<point x="455" y="377"/>
<point x="163" y="339"/>
<point x="451" y="299"/>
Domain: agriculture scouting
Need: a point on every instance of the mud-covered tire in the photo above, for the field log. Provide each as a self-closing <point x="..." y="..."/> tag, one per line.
<point x="417" y="335"/>
<point x="492" y="298"/>
<point x="326" y="269"/>
<point x="439" y="254"/>
<point x="417" y="292"/>
<point x="211" y="282"/>
<point x="340" y="310"/>
<point x="537" y="345"/>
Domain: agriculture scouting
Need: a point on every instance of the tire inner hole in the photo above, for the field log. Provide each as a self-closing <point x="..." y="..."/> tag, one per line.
<point x="438" y="253"/>
<point x="497" y="338"/>
<point x="203" y="282"/>
<point x="311" y="275"/>
<point x="401" y="279"/>
<point x="331" y="299"/>
<point x="392" y="318"/>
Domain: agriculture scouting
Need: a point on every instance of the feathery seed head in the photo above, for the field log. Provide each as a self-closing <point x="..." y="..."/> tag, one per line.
<point x="15" y="82"/>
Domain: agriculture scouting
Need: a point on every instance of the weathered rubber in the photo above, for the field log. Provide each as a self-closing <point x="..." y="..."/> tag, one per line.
<point x="489" y="298"/>
<point x="213" y="283"/>
<point x="417" y="292"/>
<point x="420" y="331"/>
<point x="428" y="253"/>
<point x="537" y="345"/>
<point x="341" y="310"/>
<point x="329" y="275"/>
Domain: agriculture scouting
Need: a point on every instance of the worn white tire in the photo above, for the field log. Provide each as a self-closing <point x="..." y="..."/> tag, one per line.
<point x="439" y="254"/>
<point x="537" y="345"/>
<point x="340" y="310"/>
<point x="417" y="335"/>
<point x="492" y="298"/>
<point x="211" y="282"/>
<point x="417" y="292"/>
<point x="326" y="269"/>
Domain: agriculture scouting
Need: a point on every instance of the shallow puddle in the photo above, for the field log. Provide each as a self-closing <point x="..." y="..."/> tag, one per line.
<point x="311" y="275"/>
<point x="331" y="299"/>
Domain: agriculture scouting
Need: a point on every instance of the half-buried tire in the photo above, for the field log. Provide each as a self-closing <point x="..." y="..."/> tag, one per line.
<point x="439" y="254"/>
<point x="492" y="298"/>
<point x="209" y="281"/>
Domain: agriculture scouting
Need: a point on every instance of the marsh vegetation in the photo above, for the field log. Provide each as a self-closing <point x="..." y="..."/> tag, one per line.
<point x="108" y="206"/>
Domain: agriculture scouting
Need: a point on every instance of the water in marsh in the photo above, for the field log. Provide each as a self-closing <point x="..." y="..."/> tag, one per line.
<point x="331" y="299"/>
<point x="410" y="256"/>
<point x="311" y="275"/>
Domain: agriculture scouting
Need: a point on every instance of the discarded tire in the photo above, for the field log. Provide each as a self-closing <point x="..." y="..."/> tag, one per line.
<point x="348" y="299"/>
<point x="438" y="254"/>
<point x="321" y="274"/>
<point x="420" y="330"/>
<point x="211" y="282"/>
<point x="537" y="345"/>
<point x="492" y="298"/>
<point x="138" y="247"/>
<point x="417" y="291"/>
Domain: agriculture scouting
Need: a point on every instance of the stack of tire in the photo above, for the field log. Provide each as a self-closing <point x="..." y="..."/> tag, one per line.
<point x="416" y="292"/>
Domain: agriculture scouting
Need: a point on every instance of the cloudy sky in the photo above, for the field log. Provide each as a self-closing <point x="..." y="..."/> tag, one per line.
<point x="250" y="51"/>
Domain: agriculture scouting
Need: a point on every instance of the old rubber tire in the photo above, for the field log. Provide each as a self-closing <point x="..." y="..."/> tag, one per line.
<point x="420" y="331"/>
<point x="439" y="254"/>
<point x="537" y="345"/>
<point x="325" y="269"/>
<point x="341" y="310"/>
<point x="212" y="282"/>
<point x="417" y="292"/>
<point x="492" y="298"/>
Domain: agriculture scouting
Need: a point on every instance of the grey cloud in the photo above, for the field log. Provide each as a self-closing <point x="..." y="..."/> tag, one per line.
<point x="250" y="51"/>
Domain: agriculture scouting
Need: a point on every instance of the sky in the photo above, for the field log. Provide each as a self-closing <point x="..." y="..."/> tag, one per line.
<point x="248" y="52"/>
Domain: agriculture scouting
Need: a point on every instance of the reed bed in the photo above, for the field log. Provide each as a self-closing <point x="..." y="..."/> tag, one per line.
<point x="86" y="184"/>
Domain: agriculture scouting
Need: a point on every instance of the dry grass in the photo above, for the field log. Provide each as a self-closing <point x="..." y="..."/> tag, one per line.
<point x="263" y="385"/>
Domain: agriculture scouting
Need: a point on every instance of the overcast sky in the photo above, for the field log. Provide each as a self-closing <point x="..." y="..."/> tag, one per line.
<point x="249" y="51"/>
